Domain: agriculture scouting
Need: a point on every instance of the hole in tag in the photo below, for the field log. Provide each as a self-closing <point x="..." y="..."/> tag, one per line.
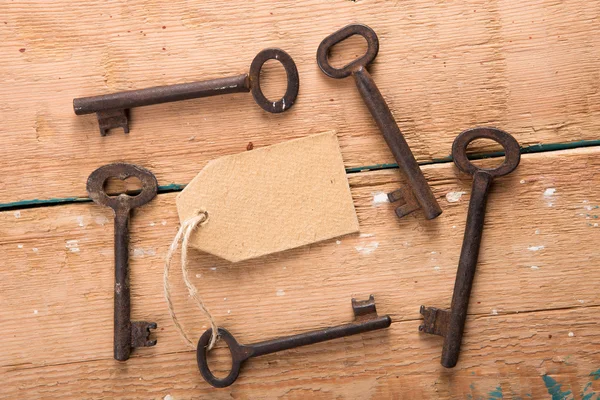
<point x="348" y="50"/>
<point x="273" y="80"/>
<point x="220" y="360"/>
<point x="482" y="149"/>
<point x="115" y="186"/>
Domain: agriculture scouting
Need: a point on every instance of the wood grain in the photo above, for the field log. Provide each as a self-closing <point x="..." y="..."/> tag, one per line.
<point x="530" y="68"/>
<point x="532" y="326"/>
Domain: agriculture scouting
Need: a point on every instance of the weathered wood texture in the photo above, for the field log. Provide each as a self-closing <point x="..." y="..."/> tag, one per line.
<point x="531" y="68"/>
<point x="532" y="327"/>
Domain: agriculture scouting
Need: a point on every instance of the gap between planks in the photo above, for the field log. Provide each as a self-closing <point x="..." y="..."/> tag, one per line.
<point x="177" y="187"/>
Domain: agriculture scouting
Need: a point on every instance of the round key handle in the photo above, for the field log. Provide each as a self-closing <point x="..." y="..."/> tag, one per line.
<point x="339" y="36"/>
<point x="293" y="81"/>
<point x="512" y="153"/>
<point x="239" y="354"/>
<point x="97" y="179"/>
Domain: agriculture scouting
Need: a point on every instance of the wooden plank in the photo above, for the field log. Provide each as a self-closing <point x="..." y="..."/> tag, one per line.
<point x="531" y="355"/>
<point x="530" y="68"/>
<point x="532" y="261"/>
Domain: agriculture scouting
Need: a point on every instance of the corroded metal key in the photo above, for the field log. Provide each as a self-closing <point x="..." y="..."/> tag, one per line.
<point x="366" y="320"/>
<point x="111" y="109"/>
<point x="127" y="334"/>
<point x="419" y="195"/>
<point x="451" y="324"/>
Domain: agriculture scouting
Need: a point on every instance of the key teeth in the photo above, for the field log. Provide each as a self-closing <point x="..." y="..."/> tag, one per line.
<point x="405" y="195"/>
<point x="112" y="119"/>
<point x="435" y="321"/>
<point x="140" y="334"/>
<point x="364" y="309"/>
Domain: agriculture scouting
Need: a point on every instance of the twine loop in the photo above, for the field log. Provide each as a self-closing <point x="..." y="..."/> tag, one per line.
<point x="183" y="234"/>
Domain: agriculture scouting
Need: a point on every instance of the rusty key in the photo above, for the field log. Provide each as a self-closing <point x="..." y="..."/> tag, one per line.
<point x="451" y="324"/>
<point x="111" y="109"/>
<point x="419" y="195"/>
<point x="127" y="334"/>
<point x="365" y="320"/>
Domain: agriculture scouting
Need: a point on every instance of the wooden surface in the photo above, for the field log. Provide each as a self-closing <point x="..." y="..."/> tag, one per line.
<point x="531" y="69"/>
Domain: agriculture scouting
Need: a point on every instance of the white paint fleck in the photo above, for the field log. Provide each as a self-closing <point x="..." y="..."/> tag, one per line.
<point x="595" y="224"/>
<point x="522" y="181"/>
<point x="17" y="214"/>
<point x="141" y="252"/>
<point x="453" y="226"/>
<point x="535" y="267"/>
<point x="228" y="311"/>
<point x="549" y="192"/>
<point x="434" y="252"/>
<point x="338" y="242"/>
<point x="213" y="268"/>
<point x="163" y="222"/>
<point x="224" y="298"/>
<point x="494" y="312"/>
<point x="198" y="275"/>
<point x="367" y="248"/>
<point x="102" y="220"/>
<point x="380" y="198"/>
<point x="437" y="268"/>
<point x="537" y="232"/>
<point x="585" y="201"/>
<point x="453" y="197"/>
<point x="35" y="312"/>
<point x="280" y="292"/>
<point x="366" y="235"/>
<point x="168" y="397"/>
<point x="571" y="334"/>
<point x="80" y="221"/>
<point x="72" y="245"/>
<point x="581" y="301"/>
<point x="536" y="248"/>
<point x="35" y="249"/>
<point x="20" y="246"/>
<point x="152" y="223"/>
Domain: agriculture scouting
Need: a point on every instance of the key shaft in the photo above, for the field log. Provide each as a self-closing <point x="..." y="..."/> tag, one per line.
<point x="467" y="265"/>
<point x="322" y="335"/>
<point x="161" y="94"/>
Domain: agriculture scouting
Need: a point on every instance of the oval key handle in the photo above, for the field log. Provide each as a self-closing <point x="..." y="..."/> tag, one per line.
<point x="97" y="179"/>
<point x="293" y="81"/>
<point x="511" y="150"/>
<point x="239" y="354"/>
<point x="337" y="37"/>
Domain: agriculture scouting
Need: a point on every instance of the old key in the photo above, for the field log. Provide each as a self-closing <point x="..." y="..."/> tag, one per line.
<point x="451" y="324"/>
<point x="419" y="195"/>
<point x="111" y="109"/>
<point x="366" y="320"/>
<point x="127" y="334"/>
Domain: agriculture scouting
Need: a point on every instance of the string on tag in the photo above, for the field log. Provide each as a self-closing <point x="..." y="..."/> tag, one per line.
<point x="185" y="231"/>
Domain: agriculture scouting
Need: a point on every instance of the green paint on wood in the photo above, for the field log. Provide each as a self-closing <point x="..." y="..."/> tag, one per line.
<point x="43" y="202"/>
<point x="495" y="394"/>
<point x="555" y="389"/>
<point x="595" y="375"/>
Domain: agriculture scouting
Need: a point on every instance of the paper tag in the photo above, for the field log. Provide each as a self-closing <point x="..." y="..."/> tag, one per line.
<point x="271" y="199"/>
